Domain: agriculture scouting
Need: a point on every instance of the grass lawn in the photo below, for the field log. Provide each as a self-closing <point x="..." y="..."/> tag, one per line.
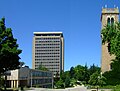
<point x="114" y="88"/>
<point x="16" y="89"/>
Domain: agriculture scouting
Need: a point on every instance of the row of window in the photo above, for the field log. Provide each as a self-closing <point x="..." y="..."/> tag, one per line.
<point x="47" y="38"/>
<point x="50" y="69"/>
<point x="50" y="58"/>
<point x="47" y="49"/>
<point x="41" y="81"/>
<point x="47" y="59"/>
<point x="50" y="45"/>
<point x="47" y="41"/>
<point x="43" y="54"/>
<point x="54" y="70"/>
<point x="47" y="53"/>
<point x="40" y="74"/>
<point x="43" y="46"/>
<point x="50" y="65"/>
<point x="50" y="55"/>
<point x="38" y="61"/>
<point x="47" y="56"/>
<point x="110" y="21"/>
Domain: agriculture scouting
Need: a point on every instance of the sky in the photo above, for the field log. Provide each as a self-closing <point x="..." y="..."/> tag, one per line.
<point x="79" y="20"/>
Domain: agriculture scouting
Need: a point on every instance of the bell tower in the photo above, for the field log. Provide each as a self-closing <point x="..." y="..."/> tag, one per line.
<point x="108" y="16"/>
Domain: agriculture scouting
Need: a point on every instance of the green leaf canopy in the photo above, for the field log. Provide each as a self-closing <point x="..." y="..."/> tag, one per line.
<point x="9" y="52"/>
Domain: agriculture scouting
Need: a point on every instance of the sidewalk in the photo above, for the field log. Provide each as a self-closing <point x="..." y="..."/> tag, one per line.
<point x="78" y="88"/>
<point x="99" y="89"/>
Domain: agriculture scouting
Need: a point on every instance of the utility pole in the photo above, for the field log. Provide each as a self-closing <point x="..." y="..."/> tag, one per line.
<point x="31" y="79"/>
<point x="52" y="80"/>
<point x="5" y="82"/>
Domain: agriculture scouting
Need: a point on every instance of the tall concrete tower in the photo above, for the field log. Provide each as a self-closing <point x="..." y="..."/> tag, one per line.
<point x="48" y="51"/>
<point x="108" y="16"/>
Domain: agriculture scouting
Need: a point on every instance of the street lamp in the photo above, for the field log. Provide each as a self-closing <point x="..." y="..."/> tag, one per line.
<point x="53" y="76"/>
<point x="31" y="79"/>
<point x="99" y="78"/>
<point x="52" y="80"/>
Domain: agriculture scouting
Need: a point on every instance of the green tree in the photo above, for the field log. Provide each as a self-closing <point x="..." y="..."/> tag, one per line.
<point x="82" y="73"/>
<point x="73" y="82"/>
<point x="79" y="71"/>
<point x="1" y="82"/>
<point x="97" y="79"/>
<point x="93" y="69"/>
<point x="60" y="84"/>
<point x="86" y="75"/>
<point x="76" y="76"/>
<point x="67" y="82"/>
<point x="9" y="52"/>
<point x="101" y="80"/>
<point x="42" y="68"/>
<point x="111" y="36"/>
<point x="94" y="79"/>
<point x="72" y="72"/>
<point x="63" y="75"/>
<point x="113" y="76"/>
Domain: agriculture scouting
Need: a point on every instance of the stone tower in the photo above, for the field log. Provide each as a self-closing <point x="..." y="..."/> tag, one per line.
<point x="108" y="16"/>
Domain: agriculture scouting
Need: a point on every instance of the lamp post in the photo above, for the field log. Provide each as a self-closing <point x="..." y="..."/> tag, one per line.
<point x="31" y="79"/>
<point x="5" y="81"/>
<point x="52" y="80"/>
<point x="99" y="80"/>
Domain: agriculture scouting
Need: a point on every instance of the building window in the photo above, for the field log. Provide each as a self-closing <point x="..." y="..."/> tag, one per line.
<point x="108" y="21"/>
<point x="112" y="21"/>
<point x="110" y="66"/>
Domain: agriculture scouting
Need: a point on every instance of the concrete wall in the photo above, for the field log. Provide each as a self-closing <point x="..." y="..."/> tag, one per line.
<point x="13" y="76"/>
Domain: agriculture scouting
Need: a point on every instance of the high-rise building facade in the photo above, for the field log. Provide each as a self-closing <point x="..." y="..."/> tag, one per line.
<point x="108" y="16"/>
<point x="48" y="51"/>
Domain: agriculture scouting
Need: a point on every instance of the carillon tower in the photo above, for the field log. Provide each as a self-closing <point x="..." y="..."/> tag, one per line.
<point x="108" y="16"/>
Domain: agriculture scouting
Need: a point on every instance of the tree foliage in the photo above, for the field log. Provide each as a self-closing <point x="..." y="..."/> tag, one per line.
<point x="60" y="84"/>
<point x="9" y="52"/>
<point x="93" y="69"/>
<point x="75" y="76"/>
<point x="111" y="35"/>
<point x="42" y="68"/>
<point x="72" y="72"/>
<point x="67" y="82"/>
<point x="1" y="82"/>
<point x="97" y="79"/>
